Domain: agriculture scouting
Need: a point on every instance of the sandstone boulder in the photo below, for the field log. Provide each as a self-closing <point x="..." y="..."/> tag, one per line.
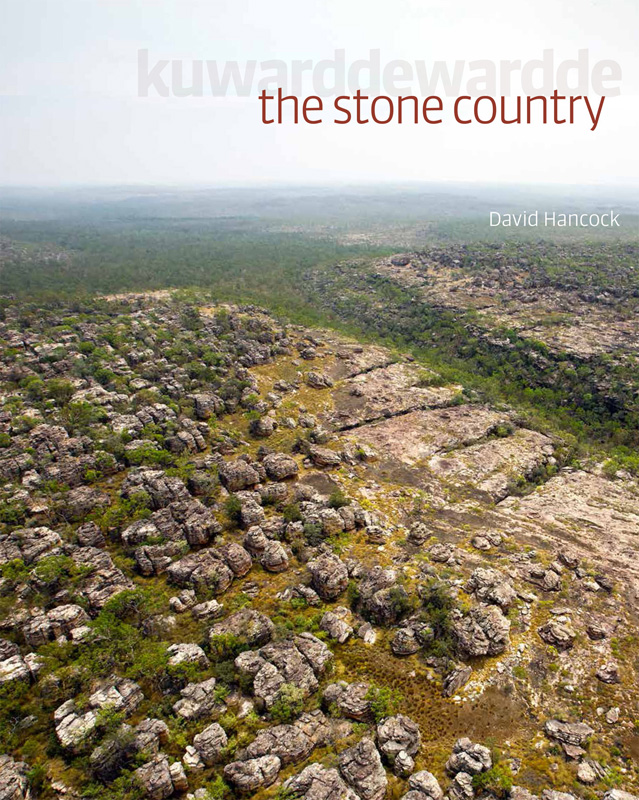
<point x="280" y="467"/>
<point x="361" y="768"/>
<point x="329" y="576"/>
<point x="469" y="758"/>
<point x="210" y="743"/>
<point x="317" y="782"/>
<point x="483" y="632"/>
<point x="256" y="773"/>
<point x="252" y="628"/>
<point x="238" y="475"/>
<point x="396" y="734"/>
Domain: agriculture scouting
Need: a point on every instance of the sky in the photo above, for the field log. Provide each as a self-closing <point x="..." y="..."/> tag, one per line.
<point x="71" y="114"/>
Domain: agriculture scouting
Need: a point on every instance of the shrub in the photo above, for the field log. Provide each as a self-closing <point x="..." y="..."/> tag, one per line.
<point x="217" y="790"/>
<point x="384" y="701"/>
<point x="430" y="379"/>
<point x="150" y="455"/>
<point x="289" y="703"/>
<point x="185" y="672"/>
<point x="13" y="512"/>
<point x="125" y="510"/>
<point x="519" y="671"/>
<point x="438" y="604"/>
<point x="292" y="513"/>
<point x="436" y="597"/>
<point x="133" y="605"/>
<point x="118" y="644"/>
<point x="497" y="780"/>
<point x="34" y="387"/>
<point x="286" y="794"/>
<point x="37" y="777"/>
<point x="353" y="593"/>
<point x="15" y="571"/>
<point x="190" y="319"/>
<point x="233" y="509"/>
<point x="338" y="499"/>
<point x="60" y="390"/>
<point x="52" y="569"/>
<point x="226" y="646"/>
<point x="83" y="416"/>
<point x="104" y="376"/>
<point x="502" y="431"/>
<point x="400" y="601"/>
<point x="313" y="533"/>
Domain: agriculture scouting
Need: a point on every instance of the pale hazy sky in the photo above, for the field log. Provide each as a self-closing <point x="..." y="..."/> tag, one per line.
<point x="70" y="114"/>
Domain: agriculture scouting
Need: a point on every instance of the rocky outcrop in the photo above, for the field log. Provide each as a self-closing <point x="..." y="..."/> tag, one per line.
<point x="210" y="743"/>
<point x="575" y="733"/>
<point x="251" y="628"/>
<point x="198" y="700"/>
<point x="161" y="489"/>
<point x="361" y="768"/>
<point x="335" y="624"/>
<point x="411" y="637"/>
<point x="424" y="786"/>
<point x="73" y="726"/>
<point x="398" y="734"/>
<point x="608" y="672"/>
<point x="256" y="773"/>
<point x="274" y="557"/>
<point x="89" y="535"/>
<point x="323" y="456"/>
<point x="469" y="758"/>
<point x="187" y="653"/>
<point x="329" y="576"/>
<point x="158" y="779"/>
<point x="61" y="623"/>
<point x="280" y="467"/>
<point x="298" y="662"/>
<point x="317" y="782"/>
<point x="117" y="750"/>
<point x="118" y="694"/>
<point x="238" y="475"/>
<point x="558" y="634"/>
<point x="291" y="743"/>
<point x="490" y="586"/>
<point x="483" y="632"/>
<point x="236" y="558"/>
<point x="548" y="580"/>
<point x="455" y="680"/>
<point x="28" y="544"/>
<point x="207" y="405"/>
<point x="183" y="521"/>
<point x="202" y="570"/>
<point x="104" y="580"/>
<point x="318" y="381"/>
<point x="351" y="699"/>
<point x="461" y="787"/>
<point x="18" y="668"/>
<point x="14" y="784"/>
<point x="80" y="502"/>
<point x="382" y="598"/>
<point x="430" y="480"/>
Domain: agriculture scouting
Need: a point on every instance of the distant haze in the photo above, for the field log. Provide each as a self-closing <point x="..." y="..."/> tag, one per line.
<point x="70" y="113"/>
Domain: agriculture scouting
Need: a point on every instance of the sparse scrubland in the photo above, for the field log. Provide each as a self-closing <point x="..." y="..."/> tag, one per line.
<point x="340" y="503"/>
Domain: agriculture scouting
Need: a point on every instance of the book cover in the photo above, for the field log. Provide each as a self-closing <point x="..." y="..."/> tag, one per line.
<point x="319" y="400"/>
